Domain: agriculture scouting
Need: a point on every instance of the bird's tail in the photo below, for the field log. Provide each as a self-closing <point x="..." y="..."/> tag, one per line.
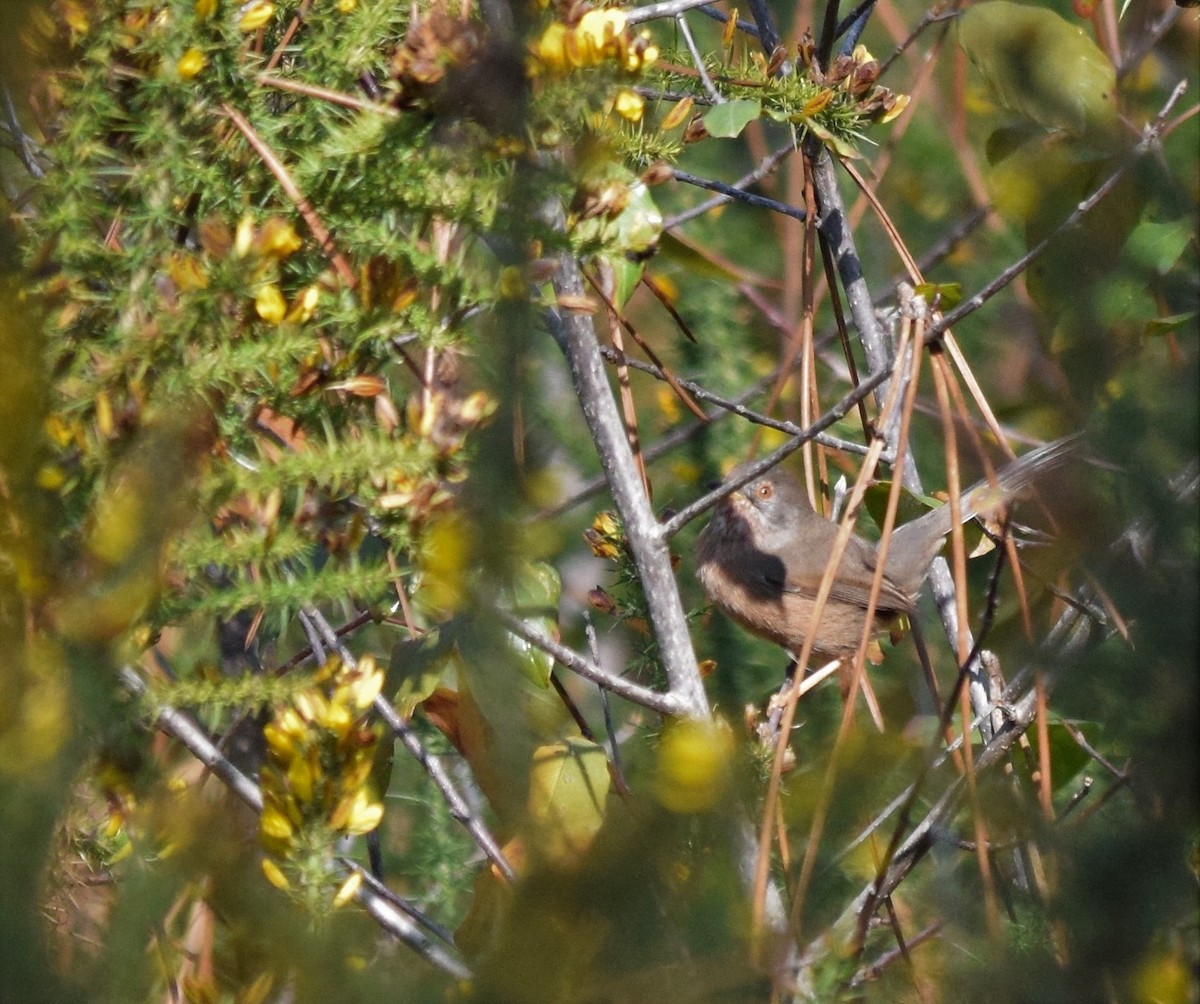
<point x="914" y="545"/>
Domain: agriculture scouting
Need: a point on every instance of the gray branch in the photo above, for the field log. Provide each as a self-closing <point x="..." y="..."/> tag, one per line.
<point x="666" y="704"/>
<point x="576" y="336"/>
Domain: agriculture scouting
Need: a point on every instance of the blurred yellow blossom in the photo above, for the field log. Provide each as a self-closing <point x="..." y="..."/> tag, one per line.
<point x="270" y="305"/>
<point x="349" y="889"/>
<point x="244" y="237"/>
<point x="274" y="875"/>
<point x="629" y="105"/>
<point x="277" y="239"/>
<point x="255" y="14"/>
<point x="305" y="305"/>
<point x="191" y="63"/>
<point x="694" y="766"/>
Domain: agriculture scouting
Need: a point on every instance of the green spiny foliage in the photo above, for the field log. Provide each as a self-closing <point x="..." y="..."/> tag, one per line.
<point x="215" y="230"/>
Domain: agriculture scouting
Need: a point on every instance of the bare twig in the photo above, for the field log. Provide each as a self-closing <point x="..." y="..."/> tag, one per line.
<point x="871" y="972"/>
<point x="325" y="94"/>
<point x="756" y="417"/>
<point x="768" y="35"/>
<point x="710" y="88"/>
<point x="666" y="704"/>
<point x="181" y="726"/>
<point x="669" y="8"/>
<point x="733" y="191"/>
<point x="1142" y="45"/>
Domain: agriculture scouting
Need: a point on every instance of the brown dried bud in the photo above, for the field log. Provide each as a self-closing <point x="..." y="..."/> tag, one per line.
<point x="696" y="130"/>
<point x="777" y="60"/>
<point x="601" y="601"/>
<point x="656" y="174"/>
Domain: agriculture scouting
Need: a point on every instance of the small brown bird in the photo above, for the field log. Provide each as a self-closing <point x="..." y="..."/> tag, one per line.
<point x="763" y="554"/>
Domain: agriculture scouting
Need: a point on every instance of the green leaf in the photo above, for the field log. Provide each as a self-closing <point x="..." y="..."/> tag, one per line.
<point x="630" y="240"/>
<point x="910" y="507"/>
<point x="1041" y="67"/>
<point x="1158" y="246"/>
<point x="1165" y="325"/>
<point x="535" y="595"/>
<point x="728" y="120"/>
<point x="947" y="295"/>
<point x="568" y="788"/>
<point x="416" y="669"/>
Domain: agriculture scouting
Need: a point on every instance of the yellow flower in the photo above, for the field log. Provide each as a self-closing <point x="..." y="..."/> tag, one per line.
<point x="205" y="8"/>
<point x="186" y="271"/>
<point x="59" y="430"/>
<point x="364" y="815"/>
<point x="334" y="717"/>
<point x="278" y="239"/>
<point x="300" y="776"/>
<point x="270" y="305"/>
<point x="606" y="523"/>
<point x="104" y="415"/>
<point x="275" y="875"/>
<point x="76" y="18"/>
<point x="346" y="6"/>
<point x="550" y="49"/>
<point x="641" y="55"/>
<point x="305" y="305"/>
<point x="310" y="704"/>
<point x="348" y="889"/>
<point x="629" y="105"/>
<point x="255" y="14"/>
<point x="512" y="284"/>
<point x="243" y="239"/>
<point x="900" y="104"/>
<point x="599" y="31"/>
<point x="51" y="477"/>
<point x="191" y="63"/>
<point x="694" y="766"/>
<point x="274" y="823"/>
<point x="367" y="686"/>
<point x="477" y="407"/>
<point x="279" y="742"/>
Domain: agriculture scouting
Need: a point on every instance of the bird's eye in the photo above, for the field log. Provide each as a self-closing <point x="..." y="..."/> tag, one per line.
<point x="765" y="490"/>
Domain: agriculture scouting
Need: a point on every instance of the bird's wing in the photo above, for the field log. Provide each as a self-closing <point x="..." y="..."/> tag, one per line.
<point x="804" y="570"/>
